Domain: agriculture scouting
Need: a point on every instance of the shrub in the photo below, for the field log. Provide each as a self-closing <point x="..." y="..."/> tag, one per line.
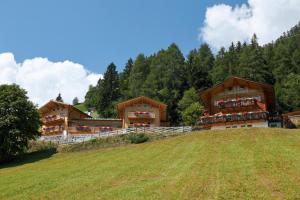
<point x="138" y="138"/>
<point x="34" y="146"/>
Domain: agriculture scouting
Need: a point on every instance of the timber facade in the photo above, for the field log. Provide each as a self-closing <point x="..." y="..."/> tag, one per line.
<point x="60" y="118"/>
<point x="142" y="112"/>
<point x="238" y="103"/>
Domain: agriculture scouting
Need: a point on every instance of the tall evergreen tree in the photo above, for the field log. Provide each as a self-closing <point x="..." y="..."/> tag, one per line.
<point x="252" y="64"/>
<point x="199" y="63"/>
<point x="124" y="80"/>
<point x="75" y="101"/>
<point x="167" y="80"/>
<point x="109" y="92"/>
<point x="59" y="98"/>
<point x="138" y="75"/>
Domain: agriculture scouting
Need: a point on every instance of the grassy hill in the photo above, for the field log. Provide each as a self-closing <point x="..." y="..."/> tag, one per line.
<point x="83" y="108"/>
<point x="231" y="164"/>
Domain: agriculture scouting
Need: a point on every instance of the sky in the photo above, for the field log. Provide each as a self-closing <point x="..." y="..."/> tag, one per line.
<point x="64" y="46"/>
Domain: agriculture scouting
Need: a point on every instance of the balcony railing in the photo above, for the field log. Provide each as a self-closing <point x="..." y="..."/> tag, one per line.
<point x="89" y="129"/>
<point x="53" y="129"/>
<point x="234" y="117"/>
<point x="136" y="125"/>
<point x="236" y="103"/>
<point x="141" y="114"/>
<point x="52" y="118"/>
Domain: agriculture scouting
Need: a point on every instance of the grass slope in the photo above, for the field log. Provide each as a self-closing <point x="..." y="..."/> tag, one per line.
<point x="231" y="164"/>
<point x="82" y="107"/>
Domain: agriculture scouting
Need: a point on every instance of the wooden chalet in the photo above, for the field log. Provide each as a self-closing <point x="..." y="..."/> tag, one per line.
<point x="291" y="119"/>
<point x="60" y="118"/>
<point x="238" y="103"/>
<point x="142" y="112"/>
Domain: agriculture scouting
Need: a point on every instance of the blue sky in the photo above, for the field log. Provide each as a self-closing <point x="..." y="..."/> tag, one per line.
<point x="97" y="32"/>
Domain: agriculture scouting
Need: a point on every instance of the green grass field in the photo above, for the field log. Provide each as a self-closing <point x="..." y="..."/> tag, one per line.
<point x="231" y="164"/>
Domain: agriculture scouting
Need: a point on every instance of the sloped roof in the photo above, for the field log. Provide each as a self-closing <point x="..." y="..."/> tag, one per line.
<point x="267" y="88"/>
<point x="142" y="99"/>
<point x="52" y="104"/>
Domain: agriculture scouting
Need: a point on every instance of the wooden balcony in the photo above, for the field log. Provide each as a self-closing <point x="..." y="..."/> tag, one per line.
<point x="51" y="130"/>
<point x="233" y="118"/>
<point x="51" y="119"/>
<point x="245" y="104"/>
<point x="88" y="129"/>
<point x="141" y="115"/>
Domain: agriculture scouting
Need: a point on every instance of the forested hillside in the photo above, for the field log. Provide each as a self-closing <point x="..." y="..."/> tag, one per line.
<point x="172" y="78"/>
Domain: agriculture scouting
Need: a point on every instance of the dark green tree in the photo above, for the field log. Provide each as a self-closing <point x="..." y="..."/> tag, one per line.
<point x="190" y="107"/>
<point x="124" y="80"/>
<point x="109" y="92"/>
<point x="289" y="92"/>
<point x="252" y="64"/>
<point x="92" y="96"/>
<point x="19" y="121"/>
<point x="167" y="81"/>
<point x="75" y="101"/>
<point x="199" y="63"/>
<point x="59" y="98"/>
<point x="138" y="75"/>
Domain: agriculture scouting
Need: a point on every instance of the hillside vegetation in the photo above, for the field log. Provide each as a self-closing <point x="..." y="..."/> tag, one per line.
<point x="168" y="74"/>
<point x="231" y="164"/>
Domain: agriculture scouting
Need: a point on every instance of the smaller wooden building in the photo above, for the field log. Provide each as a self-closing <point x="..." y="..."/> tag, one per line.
<point x="61" y="118"/>
<point x="142" y="112"/>
<point x="291" y="119"/>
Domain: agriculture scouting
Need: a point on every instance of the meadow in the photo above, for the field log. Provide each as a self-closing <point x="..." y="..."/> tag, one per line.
<point x="229" y="164"/>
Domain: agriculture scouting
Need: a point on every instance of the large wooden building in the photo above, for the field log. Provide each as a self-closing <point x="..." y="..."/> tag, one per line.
<point x="238" y="103"/>
<point x="142" y="112"/>
<point x="60" y="118"/>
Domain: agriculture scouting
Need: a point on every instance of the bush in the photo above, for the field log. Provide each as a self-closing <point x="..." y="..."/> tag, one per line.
<point x="35" y="146"/>
<point x="138" y="138"/>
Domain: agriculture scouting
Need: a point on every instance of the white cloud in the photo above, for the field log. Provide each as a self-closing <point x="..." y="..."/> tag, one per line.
<point x="44" y="79"/>
<point x="267" y="18"/>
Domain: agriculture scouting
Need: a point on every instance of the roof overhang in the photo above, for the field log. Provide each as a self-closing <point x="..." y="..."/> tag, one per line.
<point x="142" y="99"/>
<point x="52" y="104"/>
<point x="232" y="81"/>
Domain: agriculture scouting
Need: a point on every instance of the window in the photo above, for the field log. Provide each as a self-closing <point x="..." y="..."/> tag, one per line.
<point x="249" y="125"/>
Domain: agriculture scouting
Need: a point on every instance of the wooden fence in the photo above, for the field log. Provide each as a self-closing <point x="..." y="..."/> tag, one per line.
<point x="74" y="138"/>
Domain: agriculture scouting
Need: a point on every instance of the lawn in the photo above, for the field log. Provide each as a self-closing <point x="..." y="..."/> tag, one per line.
<point x="231" y="164"/>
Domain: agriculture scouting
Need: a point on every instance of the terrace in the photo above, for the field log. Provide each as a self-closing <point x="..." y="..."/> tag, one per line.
<point x="234" y="117"/>
<point x="240" y="103"/>
<point x="53" y="130"/>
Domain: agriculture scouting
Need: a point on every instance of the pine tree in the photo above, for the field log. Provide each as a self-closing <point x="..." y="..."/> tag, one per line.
<point x="59" y="98"/>
<point x="252" y="64"/>
<point x="109" y="92"/>
<point x="198" y="65"/>
<point x="167" y="81"/>
<point x="75" y="101"/>
<point x="92" y="96"/>
<point x="138" y="75"/>
<point x="124" y="80"/>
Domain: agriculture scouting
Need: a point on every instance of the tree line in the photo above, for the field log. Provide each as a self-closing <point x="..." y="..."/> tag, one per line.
<point x="170" y="77"/>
